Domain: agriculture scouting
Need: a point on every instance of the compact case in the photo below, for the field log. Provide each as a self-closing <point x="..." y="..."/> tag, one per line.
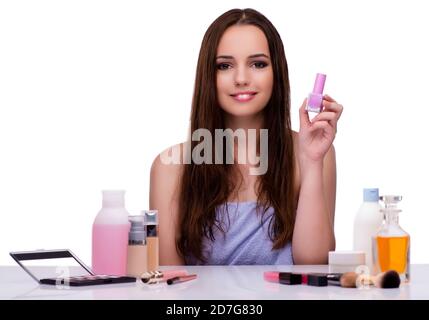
<point x="345" y="261"/>
<point x="44" y="266"/>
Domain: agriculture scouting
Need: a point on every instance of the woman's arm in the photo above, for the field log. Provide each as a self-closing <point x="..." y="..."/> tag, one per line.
<point x="313" y="235"/>
<point x="164" y="183"/>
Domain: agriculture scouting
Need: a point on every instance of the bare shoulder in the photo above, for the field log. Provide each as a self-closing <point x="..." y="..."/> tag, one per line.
<point x="164" y="191"/>
<point x="166" y="171"/>
<point x="168" y="162"/>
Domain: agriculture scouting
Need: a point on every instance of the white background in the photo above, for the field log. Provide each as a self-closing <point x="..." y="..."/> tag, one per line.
<point x="92" y="91"/>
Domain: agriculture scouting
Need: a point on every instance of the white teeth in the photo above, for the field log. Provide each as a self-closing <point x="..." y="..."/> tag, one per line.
<point x="243" y="96"/>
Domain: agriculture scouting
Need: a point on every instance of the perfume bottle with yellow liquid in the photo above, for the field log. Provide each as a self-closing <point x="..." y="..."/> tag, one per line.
<point x="392" y="243"/>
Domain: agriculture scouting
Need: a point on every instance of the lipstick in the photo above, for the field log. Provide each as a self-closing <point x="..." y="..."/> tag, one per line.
<point x="283" y="277"/>
<point x="317" y="280"/>
<point x="290" y="278"/>
<point x="315" y="98"/>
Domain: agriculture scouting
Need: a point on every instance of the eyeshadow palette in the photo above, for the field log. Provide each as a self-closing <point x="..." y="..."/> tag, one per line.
<point x="44" y="266"/>
<point x="87" y="280"/>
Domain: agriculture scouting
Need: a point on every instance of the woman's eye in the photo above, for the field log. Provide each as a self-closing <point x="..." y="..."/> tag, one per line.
<point x="260" y="64"/>
<point x="223" y="66"/>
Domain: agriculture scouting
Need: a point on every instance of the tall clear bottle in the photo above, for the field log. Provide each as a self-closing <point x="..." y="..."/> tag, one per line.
<point x="110" y="235"/>
<point x="392" y="243"/>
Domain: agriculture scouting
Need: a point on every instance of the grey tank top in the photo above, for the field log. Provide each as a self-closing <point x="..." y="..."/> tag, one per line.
<point x="246" y="240"/>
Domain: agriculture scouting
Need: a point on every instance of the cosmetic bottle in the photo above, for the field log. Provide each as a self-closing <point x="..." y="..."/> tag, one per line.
<point x="137" y="249"/>
<point x="151" y="222"/>
<point x="315" y="98"/>
<point x="392" y="243"/>
<point x="110" y="235"/>
<point x="367" y="221"/>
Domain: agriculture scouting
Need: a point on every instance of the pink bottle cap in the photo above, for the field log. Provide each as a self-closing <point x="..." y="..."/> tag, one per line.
<point x="319" y="84"/>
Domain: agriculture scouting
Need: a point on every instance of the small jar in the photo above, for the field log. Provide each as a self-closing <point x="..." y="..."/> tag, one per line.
<point x="346" y="261"/>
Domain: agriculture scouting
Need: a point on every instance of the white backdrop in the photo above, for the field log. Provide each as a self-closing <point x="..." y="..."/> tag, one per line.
<point x="92" y="91"/>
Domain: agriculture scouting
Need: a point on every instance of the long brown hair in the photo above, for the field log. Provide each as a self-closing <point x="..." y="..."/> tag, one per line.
<point x="204" y="187"/>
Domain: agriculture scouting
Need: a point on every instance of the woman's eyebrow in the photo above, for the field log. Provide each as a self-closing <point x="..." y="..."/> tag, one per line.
<point x="258" y="55"/>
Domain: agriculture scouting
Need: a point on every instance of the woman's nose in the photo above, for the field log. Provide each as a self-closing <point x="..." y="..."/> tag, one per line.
<point x="241" y="76"/>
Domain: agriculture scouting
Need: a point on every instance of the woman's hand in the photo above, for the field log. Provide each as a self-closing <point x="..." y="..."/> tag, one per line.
<point x="316" y="136"/>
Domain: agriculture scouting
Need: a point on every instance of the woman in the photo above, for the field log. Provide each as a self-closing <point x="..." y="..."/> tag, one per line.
<point x="221" y="214"/>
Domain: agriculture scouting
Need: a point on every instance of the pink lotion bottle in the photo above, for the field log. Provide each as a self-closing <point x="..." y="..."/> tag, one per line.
<point x="315" y="98"/>
<point x="110" y="235"/>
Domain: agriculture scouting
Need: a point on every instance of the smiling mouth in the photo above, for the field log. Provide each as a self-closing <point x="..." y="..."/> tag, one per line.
<point x="244" y="96"/>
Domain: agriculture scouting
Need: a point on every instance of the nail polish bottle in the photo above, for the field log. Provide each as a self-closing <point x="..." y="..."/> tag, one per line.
<point x="151" y="222"/>
<point x="315" y="98"/>
<point x="137" y="248"/>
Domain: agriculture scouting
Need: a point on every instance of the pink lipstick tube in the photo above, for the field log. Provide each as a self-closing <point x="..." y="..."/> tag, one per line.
<point x="315" y="98"/>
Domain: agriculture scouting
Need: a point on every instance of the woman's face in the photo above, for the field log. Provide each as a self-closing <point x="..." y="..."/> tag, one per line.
<point x="244" y="77"/>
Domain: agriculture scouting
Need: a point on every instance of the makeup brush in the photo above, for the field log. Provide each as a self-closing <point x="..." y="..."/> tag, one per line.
<point x="384" y="280"/>
<point x="345" y="280"/>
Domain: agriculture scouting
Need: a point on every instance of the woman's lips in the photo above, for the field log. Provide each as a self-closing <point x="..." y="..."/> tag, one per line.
<point x="244" y="96"/>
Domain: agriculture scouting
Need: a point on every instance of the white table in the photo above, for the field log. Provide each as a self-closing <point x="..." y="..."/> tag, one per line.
<point x="213" y="283"/>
